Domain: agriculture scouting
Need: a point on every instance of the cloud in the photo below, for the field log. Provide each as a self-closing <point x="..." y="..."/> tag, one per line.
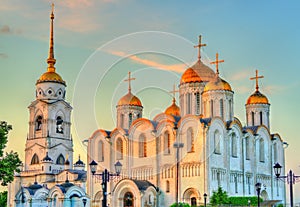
<point x="174" y="67"/>
<point x="78" y="23"/>
<point x="73" y="4"/>
<point x="5" y="29"/>
<point x="244" y="74"/>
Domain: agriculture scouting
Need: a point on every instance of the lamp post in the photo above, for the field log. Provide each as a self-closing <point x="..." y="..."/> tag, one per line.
<point x="205" y="197"/>
<point x="249" y="202"/>
<point x="177" y="145"/>
<point x="105" y="175"/>
<point x="84" y="200"/>
<point x="258" y="188"/>
<point x="290" y="178"/>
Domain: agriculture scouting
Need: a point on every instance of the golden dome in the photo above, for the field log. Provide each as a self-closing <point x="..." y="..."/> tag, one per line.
<point x="217" y="84"/>
<point x="257" y="98"/>
<point x="173" y="109"/>
<point x="51" y="76"/>
<point x="204" y="72"/>
<point x="190" y="76"/>
<point x="130" y="99"/>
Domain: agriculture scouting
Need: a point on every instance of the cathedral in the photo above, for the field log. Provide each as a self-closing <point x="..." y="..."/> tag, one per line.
<point x="189" y="150"/>
<point x="49" y="177"/>
<point x="194" y="147"/>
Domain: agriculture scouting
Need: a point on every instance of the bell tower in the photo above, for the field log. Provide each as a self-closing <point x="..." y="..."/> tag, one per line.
<point x="49" y="141"/>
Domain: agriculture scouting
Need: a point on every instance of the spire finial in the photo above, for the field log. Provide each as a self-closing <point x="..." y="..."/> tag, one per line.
<point x="174" y="93"/>
<point x="256" y="78"/>
<point x="199" y="47"/>
<point x="216" y="62"/>
<point x="129" y="81"/>
<point x="51" y="60"/>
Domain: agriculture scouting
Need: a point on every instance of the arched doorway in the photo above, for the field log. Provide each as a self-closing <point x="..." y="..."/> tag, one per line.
<point x="128" y="200"/>
<point x="193" y="202"/>
<point x="264" y="195"/>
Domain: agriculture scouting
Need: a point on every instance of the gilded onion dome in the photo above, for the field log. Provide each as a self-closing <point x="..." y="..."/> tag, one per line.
<point x="173" y="109"/>
<point x="257" y="98"/>
<point x="130" y="99"/>
<point x="217" y="84"/>
<point x="51" y="75"/>
<point x="190" y="76"/>
<point x="197" y="73"/>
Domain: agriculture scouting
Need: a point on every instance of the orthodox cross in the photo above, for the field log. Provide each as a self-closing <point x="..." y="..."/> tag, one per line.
<point x="199" y="47"/>
<point x="216" y="62"/>
<point x="174" y="91"/>
<point x="256" y="78"/>
<point x="129" y="81"/>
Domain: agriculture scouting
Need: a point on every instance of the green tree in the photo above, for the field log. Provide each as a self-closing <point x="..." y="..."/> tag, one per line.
<point x="219" y="197"/>
<point x="180" y="205"/>
<point x="3" y="198"/>
<point x="9" y="162"/>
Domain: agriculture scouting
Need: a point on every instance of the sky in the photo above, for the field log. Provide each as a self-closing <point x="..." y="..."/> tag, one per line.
<point x="98" y="41"/>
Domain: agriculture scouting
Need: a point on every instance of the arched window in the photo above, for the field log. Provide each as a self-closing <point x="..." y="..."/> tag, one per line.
<point x="230" y="109"/>
<point x="59" y="125"/>
<point x="130" y="119"/>
<point x="247" y="148"/>
<point x="222" y="108"/>
<point x="38" y="123"/>
<point x="100" y="151"/>
<point x="211" y="108"/>
<point x="197" y="103"/>
<point x="233" y="146"/>
<point x="204" y="109"/>
<point x="122" y="121"/>
<point x="217" y="143"/>
<point x="167" y="186"/>
<point x="261" y="150"/>
<point x="167" y="143"/>
<point x="252" y="117"/>
<point x="190" y="140"/>
<point x="189" y="103"/>
<point x="35" y="159"/>
<point x="119" y="149"/>
<point x="142" y="146"/>
<point x="275" y="153"/>
<point x="60" y="160"/>
<point x="261" y="117"/>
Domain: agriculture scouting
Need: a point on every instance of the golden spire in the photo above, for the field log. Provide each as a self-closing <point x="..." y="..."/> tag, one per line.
<point x="174" y="93"/>
<point x="199" y="47"/>
<point x="256" y="78"/>
<point x="216" y="62"/>
<point x="51" y="60"/>
<point x="129" y="81"/>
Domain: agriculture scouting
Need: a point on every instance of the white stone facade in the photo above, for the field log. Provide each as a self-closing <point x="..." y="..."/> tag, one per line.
<point x="217" y="151"/>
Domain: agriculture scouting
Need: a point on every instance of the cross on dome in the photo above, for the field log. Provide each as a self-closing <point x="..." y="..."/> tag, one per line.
<point x="216" y="62"/>
<point x="256" y="79"/>
<point x="129" y="81"/>
<point x="174" y="92"/>
<point x="199" y="47"/>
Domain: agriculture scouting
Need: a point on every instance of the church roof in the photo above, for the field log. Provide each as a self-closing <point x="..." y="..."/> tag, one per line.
<point x="217" y="84"/>
<point x="173" y="109"/>
<point x="257" y="98"/>
<point x="142" y="184"/>
<point x="198" y="72"/>
<point x="251" y="128"/>
<point x="130" y="99"/>
<point x="47" y="158"/>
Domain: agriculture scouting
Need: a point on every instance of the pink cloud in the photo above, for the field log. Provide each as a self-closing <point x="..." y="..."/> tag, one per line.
<point x="174" y="67"/>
